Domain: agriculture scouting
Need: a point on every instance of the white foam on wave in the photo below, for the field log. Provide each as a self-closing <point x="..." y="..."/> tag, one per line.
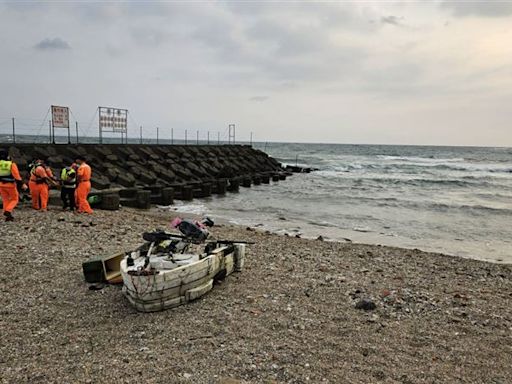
<point x="415" y="159"/>
<point x="195" y="209"/>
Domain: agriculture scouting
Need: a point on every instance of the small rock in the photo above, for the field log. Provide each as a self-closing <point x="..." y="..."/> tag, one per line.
<point x="366" y="305"/>
<point x="96" y="286"/>
<point x="187" y="375"/>
<point x="320" y="238"/>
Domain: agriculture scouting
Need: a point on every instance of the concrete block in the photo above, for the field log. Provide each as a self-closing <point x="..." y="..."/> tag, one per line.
<point x="143" y="199"/>
<point x="246" y="182"/>
<point x="221" y="186"/>
<point x="167" y="196"/>
<point x="128" y="193"/>
<point x="234" y="185"/>
<point x="187" y="193"/>
<point x="99" y="182"/>
<point x="110" y="201"/>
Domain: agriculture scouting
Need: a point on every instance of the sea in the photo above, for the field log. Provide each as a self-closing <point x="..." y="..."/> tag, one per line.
<point x="452" y="200"/>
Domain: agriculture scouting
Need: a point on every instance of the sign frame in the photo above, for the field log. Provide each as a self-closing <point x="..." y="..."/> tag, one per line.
<point x="113" y="120"/>
<point x="60" y="119"/>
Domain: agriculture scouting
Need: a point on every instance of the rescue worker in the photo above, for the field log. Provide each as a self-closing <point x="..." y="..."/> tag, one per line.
<point x="68" y="186"/>
<point x="84" y="185"/>
<point x="38" y="184"/>
<point x="10" y="179"/>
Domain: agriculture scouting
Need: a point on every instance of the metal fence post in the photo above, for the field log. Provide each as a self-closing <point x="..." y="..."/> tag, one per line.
<point x="13" y="132"/>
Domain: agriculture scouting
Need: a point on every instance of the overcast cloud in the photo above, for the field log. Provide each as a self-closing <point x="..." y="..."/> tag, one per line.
<point x="425" y="72"/>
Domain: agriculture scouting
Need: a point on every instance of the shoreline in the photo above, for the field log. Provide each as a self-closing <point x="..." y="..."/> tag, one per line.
<point x="485" y="250"/>
<point x="289" y="316"/>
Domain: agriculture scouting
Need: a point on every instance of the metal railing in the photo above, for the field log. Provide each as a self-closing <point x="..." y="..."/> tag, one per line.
<point x="29" y="130"/>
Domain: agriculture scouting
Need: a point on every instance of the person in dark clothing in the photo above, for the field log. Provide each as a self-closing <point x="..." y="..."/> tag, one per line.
<point x="68" y="186"/>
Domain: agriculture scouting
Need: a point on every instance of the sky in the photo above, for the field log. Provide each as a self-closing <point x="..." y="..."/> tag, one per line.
<point x="364" y="72"/>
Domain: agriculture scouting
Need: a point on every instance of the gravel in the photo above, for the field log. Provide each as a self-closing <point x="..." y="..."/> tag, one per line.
<point x="291" y="316"/>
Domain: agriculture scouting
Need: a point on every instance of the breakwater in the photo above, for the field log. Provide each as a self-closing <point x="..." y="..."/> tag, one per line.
<point x="139" y="175"/>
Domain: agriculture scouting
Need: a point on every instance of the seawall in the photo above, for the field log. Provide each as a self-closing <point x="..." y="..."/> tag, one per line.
<point x="139" y="175"/>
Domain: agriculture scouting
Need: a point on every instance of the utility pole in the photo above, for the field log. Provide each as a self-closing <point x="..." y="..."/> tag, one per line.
<point x="172" y="136"/>
<point x="13" y="132"/>
<point x="251" y="139"/>
<point x="218" y="138"/>
<point x="76" y="128"/>
<point x="156" y="135"/>
<point x="141" y="134"/>
<point x="50" y="130"/>
<point x="197" y="138"/>
<point x="208" y="140"/>
<point x="185" y="137"/>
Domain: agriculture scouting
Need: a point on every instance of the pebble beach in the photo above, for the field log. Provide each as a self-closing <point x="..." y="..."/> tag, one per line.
<point x="301" y="311"/>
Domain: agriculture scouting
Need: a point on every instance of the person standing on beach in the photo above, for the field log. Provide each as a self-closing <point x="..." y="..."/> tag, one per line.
<point x="84" y="173"/>
<point x="10" y="179"/>
<point x="68" y="186"/>
<point x="38" y="184"/>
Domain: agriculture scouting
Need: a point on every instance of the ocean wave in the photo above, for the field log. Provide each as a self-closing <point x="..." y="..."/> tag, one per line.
<point x="394" y="166"/>
<point x="416" y="159"/>
<point x="476" y="208"/>
<point x="423" y="181"/>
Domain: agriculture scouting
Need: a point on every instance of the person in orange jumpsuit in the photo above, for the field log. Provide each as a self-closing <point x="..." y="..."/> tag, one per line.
<point x="9" y="179"/>
<point x="83" y="174"/>
<point x="38" y="184"/>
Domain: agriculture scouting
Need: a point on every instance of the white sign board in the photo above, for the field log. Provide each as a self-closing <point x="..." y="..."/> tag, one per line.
<point x="114" y="119"/>
<point x="60" y="116"/>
